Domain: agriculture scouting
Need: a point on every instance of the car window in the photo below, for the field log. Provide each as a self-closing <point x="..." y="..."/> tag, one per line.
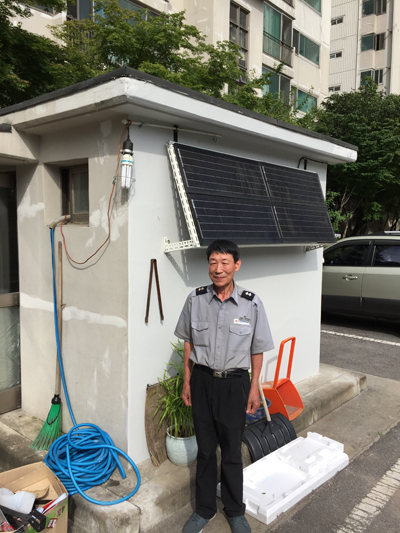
<point x="346" y="255"/>
<point x="387" y="255"/>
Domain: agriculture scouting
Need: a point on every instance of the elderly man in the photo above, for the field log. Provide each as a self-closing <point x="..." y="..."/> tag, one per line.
<point x="225" y="331"/>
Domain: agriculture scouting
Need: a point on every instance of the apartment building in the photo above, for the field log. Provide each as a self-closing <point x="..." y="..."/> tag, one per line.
<point x="364" y="36"/>
<point x="294" y="32"/>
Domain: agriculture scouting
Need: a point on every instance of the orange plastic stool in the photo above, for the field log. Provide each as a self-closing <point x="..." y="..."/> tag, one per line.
<point x="282" y="393"/>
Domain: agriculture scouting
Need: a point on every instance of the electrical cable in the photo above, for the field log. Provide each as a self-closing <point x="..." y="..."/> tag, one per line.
<point x="86" y="455"/>
<point x="108" y="211"/>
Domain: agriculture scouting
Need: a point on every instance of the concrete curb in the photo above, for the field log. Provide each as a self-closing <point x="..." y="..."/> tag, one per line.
<point x="167" y="488"/>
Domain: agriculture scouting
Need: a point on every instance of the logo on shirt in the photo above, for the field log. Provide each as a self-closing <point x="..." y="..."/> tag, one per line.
<point x="243" y="320"/>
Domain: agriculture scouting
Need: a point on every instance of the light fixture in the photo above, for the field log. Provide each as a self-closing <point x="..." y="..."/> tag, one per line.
<point x="127" y="166"/>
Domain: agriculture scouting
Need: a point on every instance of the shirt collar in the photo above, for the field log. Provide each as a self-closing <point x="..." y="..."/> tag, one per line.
<point x="233" y="296"/>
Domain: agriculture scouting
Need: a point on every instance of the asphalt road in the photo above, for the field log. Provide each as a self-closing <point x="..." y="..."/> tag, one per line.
<point x="364" y="345"/>
<point x="365" y="496"/>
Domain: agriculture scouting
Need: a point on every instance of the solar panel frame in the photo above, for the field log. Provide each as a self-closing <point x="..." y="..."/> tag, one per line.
<point x="287" y="204"/>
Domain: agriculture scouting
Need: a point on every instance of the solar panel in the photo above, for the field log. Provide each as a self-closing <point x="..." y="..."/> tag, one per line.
<point x="252" y="202"/>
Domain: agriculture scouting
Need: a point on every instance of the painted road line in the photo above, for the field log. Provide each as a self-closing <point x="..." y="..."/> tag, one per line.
<point x="359" y="337"/>
<point x="372" y="505"/>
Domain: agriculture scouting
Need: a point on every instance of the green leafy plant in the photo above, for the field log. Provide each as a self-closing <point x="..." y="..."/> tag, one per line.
<point x="173" y="410"/>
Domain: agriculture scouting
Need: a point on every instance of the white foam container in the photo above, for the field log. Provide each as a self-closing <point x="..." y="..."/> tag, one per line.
<point x="282" y="478"/>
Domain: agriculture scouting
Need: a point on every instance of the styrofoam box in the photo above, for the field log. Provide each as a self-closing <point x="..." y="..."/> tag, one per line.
<point x="279" y="480"/>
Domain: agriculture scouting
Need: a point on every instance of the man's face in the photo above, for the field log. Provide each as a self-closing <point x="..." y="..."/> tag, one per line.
<point x="221" y="269"/>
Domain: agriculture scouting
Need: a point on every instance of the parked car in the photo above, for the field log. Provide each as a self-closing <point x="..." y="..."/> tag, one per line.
<point x="361" y="276"/>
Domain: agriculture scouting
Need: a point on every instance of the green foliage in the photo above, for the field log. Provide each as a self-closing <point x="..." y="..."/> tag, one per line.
<point x="173" y="409"/>
<point x="368" y="189"/>
<point x="163" y="46"/>
<point x="337" y="219"/>
<point x="31" y="65"/>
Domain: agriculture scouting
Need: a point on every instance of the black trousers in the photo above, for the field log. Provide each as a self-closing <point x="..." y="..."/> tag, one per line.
<point x="219" y="416"/>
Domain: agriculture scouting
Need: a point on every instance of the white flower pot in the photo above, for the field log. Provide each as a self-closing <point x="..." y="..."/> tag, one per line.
<point x="181" y="451"/>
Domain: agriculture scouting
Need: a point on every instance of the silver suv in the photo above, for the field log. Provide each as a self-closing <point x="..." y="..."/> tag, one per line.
<point x="361" y="276"/>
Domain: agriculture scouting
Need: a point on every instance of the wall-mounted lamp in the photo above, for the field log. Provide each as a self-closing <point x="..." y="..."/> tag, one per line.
<point x="127" y="166"/>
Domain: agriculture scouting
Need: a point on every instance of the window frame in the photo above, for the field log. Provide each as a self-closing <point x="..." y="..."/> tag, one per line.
<point x="334" y="88"/>
<point x="336" y="55"/>
<point x="266" y="70"/>
<point x="311" y="96"/>
<point x="313" y="7"/>
<point x="336" y="21"/>
<point x="378" y="42"/>
<point x="376" y="75"/>
<point x="283" y="42"/>
<point x="239" y="27"/>
<point x="67" y="194"/>
<point x="386" y="244"/>
<point x="356" y="244"/>
<point x="297" y="46"/>
<point x="379" y="7"/>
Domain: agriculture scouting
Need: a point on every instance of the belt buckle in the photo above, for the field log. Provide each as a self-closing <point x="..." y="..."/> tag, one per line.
<point x="219" y="373"/>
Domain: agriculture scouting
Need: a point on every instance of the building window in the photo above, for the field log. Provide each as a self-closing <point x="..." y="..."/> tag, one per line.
<point x="277" y="35"/>
<point x="75" y="193"/>
<point x="305" y="47"/>
<point x="137" y="6"/>
<point x="376" y="75"/>
<point x="336" y="55"/>
<point x="80" y="9"/>
<point x="316" y="4"/>
<point x="238" y="31"/>
<point x="373" y="42"/>
<point x="336" y="21"/>
<point x="305" y="102"/>
<point x="280" y="84"/>
<point x="83" y="9"/>
<point x="373" y="7"/>
<point x="334" y="89"/>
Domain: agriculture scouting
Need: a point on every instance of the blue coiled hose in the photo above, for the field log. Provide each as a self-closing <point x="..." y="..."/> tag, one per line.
<point x="86" y="455"/>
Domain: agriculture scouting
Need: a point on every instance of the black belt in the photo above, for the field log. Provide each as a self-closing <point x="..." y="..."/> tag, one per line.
<point x="224" y="374"/>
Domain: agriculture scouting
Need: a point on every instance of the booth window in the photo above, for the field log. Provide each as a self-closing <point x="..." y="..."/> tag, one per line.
<point x="75" y="193"/>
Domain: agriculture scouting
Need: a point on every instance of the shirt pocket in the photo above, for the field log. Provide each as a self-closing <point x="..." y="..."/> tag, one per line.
<point x="240" y="338"/>
<point x="200" y="333"/>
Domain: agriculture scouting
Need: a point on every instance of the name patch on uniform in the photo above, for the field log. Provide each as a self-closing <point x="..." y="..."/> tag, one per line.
<point x="243" y="320"/>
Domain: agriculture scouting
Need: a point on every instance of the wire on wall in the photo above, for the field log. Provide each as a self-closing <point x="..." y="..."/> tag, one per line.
<point x="128" y="123"/>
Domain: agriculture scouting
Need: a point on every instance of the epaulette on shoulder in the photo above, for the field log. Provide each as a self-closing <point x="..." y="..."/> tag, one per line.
<point x="248" y="295"/>
<point x="201" y="290"/>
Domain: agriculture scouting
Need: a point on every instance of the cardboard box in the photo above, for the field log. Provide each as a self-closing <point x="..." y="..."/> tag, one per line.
<point x="38" y="476"/>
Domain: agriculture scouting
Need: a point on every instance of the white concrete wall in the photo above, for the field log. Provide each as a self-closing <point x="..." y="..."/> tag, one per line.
<point x="95" y="326"/>
<point x="40" y="22"/>
<point x="287" y="279"/>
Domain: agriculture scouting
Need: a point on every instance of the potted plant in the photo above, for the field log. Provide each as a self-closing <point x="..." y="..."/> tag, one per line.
<point x="181" y="441"/>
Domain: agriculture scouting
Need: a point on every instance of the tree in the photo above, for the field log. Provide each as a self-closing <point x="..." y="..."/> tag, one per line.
<point x="163" y="46"/>
<point x="369" y="189"/>
<point x="31" y="65"/>
<point x="170" y="49"/>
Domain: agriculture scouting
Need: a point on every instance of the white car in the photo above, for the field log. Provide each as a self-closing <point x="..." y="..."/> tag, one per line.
<point x="361" y="276"/>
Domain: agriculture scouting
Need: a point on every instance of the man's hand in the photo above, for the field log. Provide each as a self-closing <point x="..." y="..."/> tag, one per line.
<point x="254" y="401"/>
<point x="186" y="396"/>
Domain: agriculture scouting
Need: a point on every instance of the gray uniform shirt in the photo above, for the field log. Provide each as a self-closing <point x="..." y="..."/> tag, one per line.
<point x="224" y="334"/>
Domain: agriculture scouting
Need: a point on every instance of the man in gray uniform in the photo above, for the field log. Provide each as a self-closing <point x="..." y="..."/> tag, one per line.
<point x="225" y="331"/>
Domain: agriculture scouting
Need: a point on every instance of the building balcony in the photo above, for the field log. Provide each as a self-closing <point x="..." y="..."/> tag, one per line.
<point x="278" y="49"/>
